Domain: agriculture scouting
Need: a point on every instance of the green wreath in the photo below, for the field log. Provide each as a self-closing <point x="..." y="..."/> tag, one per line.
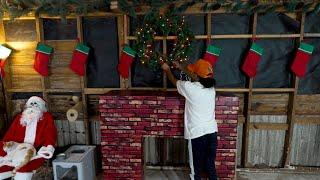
<point x="169" y="24"/>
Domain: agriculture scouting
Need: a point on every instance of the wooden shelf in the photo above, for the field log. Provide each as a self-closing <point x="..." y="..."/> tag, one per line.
<point x="316" y="35"/>
<point x="235" y="90"/>
<point x="63" y="91"/>
<point x="280" y="90"/>
<point x="24" y="90"/>
<point x="268" y="126"/>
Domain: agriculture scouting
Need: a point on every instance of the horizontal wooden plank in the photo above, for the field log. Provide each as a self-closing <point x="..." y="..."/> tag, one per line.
<point x="62" y="54"/>
<point x="308" y="98"/>
<point x="268" y="126"/>
<point x="308" y="119"/>
<point x="24" y="90"/>
<point x="280" y="90"/>
<point x="62" y="71"/>
<point x="23" y="71"/>
<point x="64" y="82"/>
<point x="26" y="82"/>
<point x="305" y="108"/>
<point x="273" y="104"/>
<point x="23" y="52"/>
<point x="63" y="90"/>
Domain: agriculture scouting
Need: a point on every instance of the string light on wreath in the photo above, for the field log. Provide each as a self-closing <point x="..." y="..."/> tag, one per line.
<point x="163" y="25"/>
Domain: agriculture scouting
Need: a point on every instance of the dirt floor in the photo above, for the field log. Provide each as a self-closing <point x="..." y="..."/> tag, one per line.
<point x="241" y="175"/>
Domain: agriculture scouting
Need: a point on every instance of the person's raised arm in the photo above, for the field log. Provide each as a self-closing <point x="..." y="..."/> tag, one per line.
<point x="168" y="72"/>
<point x="183" y="67"/>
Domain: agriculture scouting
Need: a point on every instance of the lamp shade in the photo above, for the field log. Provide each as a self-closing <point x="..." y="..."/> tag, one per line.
<point x="4" y="52"/>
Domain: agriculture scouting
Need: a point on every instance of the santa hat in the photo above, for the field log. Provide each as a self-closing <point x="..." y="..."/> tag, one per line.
<point x="37" y="100"/>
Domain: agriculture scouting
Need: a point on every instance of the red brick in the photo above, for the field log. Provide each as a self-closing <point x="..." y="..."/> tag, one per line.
<point x="121" y="147"/>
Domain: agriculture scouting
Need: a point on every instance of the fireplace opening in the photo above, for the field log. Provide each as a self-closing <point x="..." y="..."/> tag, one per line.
<point x="165" y="158"/>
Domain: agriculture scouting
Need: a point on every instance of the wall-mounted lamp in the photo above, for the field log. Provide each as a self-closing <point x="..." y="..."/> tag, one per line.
<point x="4" y="52"/>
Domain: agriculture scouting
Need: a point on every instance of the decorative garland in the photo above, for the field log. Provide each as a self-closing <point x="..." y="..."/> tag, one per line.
<point x="132" y="7"/>
<point x="163" y="25"/>
<point x="62" y="8"/>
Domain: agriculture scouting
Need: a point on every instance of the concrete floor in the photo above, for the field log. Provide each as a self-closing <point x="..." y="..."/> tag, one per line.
<point x="241" y="175"/>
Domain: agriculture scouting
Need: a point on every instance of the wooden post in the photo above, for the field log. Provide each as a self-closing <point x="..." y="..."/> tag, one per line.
<point x="40" y="38"/>
<point x="164" y="51"/>
<point x="5" y="84"/>
<point x="123" y="39"/>
<point x="246" y="125"/>
<point x="83" y="82"/>
<point x="291" y="108"/>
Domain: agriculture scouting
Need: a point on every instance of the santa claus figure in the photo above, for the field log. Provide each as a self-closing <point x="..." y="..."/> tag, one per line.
<point x="34" y="126"/>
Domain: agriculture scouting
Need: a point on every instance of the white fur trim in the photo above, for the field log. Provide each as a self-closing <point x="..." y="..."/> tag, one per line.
<point x="30" y="134"/>
<point x="46" y="152"/>
<point x="41" y="103"/>
<point x="23" y="176"/>
<point x="5" y="175"/>
<point x="51" y="148"/>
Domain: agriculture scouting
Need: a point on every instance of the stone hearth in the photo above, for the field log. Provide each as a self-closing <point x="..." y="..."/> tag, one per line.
<point x="128" y="116"/>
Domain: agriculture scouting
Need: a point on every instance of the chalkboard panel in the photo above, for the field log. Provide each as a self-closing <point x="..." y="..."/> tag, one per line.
<point x="230" y="24"/>
<point x="276" y="23"/>
<point x="312" y="24"/>
<point x="101" y="35"/>
<point x="227" y="69"/>
<point x="273" y="69"/>
<point x="55" y="29"/>
<point x="196" y="23"/>
<point x="20" y="30"/>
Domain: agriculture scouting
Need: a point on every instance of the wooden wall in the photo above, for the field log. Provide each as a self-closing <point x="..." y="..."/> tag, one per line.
<point x="276" y="125"/>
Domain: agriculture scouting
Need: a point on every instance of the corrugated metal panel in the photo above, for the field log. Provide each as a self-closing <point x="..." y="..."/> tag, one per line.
<point x="306" y="145"/>
<point x="266" y="146"/>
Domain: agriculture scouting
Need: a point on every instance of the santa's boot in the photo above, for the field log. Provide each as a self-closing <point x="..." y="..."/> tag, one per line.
<point x="23" y="176"/>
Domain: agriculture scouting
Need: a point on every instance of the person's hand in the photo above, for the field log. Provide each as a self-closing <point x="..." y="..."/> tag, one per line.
<point x="177" y="65"/>
<point x="165" y="67"/>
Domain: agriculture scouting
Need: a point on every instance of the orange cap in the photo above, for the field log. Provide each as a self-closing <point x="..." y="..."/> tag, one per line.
<point x="202" y="68"/>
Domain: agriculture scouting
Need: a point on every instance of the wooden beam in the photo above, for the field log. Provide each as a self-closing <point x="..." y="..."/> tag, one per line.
<point x="268" y="126"/>
<point x="305" y="120"/>
<point x="291" y="108"/>
<point x="280" y="90"/>
<point x="40" y="38"/>
<point x="266" y="36"/>
<point x="123" y="21"/>
<point x="6" y="83"/>
<point x="311" y="35"/>
<point x="164" y="51"/>
<point x="247" y="109"/>
<point x="83" y="84"/>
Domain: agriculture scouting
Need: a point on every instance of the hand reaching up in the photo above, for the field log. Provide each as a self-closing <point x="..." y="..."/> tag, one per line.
<point x="165" y="67"/>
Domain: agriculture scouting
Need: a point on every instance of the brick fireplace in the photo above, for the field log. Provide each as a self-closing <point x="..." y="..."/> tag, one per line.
<point x="128" y="116"/>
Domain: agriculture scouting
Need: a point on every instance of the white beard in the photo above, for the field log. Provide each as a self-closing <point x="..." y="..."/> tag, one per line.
<point x="30" y="114"/>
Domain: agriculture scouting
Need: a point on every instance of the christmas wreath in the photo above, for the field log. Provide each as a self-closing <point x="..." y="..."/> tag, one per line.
<point x="169" y="24"/>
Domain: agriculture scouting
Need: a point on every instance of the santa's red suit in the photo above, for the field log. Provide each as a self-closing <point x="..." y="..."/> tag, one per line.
<point x="42" y="134"/>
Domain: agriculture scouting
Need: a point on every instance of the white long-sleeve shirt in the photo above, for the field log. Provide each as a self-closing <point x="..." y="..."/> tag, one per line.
<point x="199" y="115"/>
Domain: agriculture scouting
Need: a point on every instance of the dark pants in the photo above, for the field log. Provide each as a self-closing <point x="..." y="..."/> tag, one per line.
<point x="204" y="155"/>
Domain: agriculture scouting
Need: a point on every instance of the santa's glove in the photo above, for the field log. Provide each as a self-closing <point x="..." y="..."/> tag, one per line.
<point x="46" y="152"/>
